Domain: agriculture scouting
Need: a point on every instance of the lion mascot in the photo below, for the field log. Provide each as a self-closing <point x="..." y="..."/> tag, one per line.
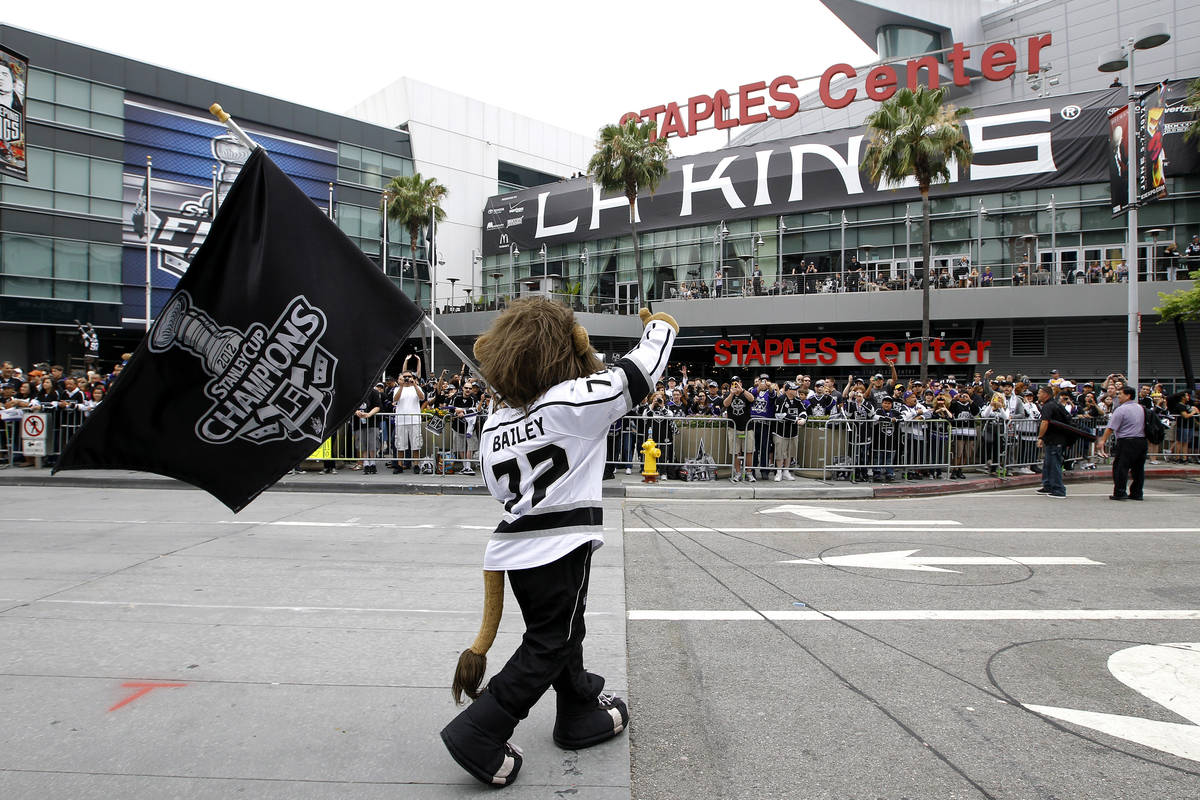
<point x="542" y="453"/>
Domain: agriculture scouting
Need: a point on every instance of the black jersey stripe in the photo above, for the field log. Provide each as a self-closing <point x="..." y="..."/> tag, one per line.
<point x="662" y="350"/>
<point x="638" y="381"/>
<point x="590" y="515"/>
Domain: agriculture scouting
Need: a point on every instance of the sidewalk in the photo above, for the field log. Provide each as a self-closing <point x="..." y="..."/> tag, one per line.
<point x="629" y="486"/>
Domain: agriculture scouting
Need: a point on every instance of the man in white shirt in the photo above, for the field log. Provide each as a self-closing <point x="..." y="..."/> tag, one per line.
<point x="408" y="398"/>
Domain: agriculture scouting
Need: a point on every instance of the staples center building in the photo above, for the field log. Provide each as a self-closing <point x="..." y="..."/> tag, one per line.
<point x="1033" y="209"/>
<point x="784" y="194"/>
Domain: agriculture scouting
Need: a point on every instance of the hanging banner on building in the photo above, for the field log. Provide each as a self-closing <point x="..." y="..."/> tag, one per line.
<point x="185" y="149"/>
<point x="14" y="68"/>
<point x="1162" y="117"/>
<point x="1032" y="144"/>
<point x="1118" y="159"/>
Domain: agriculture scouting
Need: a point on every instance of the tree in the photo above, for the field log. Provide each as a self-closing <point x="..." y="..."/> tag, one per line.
<point x="1183" y="305"/>
<point x="410" y="200"/>
<point x="914" y="136"/>
<point x="628" y="159"/>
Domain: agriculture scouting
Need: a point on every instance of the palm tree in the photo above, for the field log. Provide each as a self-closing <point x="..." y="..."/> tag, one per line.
<point x="629" y="158"/>
<point x="914" y="136"/>
<point x="410" y="200"/>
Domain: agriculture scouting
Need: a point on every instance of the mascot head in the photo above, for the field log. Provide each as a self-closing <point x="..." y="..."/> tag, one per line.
<point x="533" y="345"/>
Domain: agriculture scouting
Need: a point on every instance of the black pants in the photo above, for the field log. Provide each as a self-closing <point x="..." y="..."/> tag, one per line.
<point x="552" y="599"/>
<point x="1129" y="463"/>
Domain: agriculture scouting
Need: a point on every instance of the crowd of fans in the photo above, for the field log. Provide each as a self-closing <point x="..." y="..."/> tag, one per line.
<point x="808" y="277"/>
<point x="764" y="415"/>
<point x="761" y="417"/>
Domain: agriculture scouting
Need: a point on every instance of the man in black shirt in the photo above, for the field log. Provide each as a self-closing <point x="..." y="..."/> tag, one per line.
<point x="367" y="428"/>
<point x="1053" y="441"/>
<point x="741" y="437"/>
<point x="887" y="438"/>
<point x="789" y="414"/>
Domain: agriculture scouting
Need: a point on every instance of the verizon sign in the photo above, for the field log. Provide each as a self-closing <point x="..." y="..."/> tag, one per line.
<point x="1031" y="144"/>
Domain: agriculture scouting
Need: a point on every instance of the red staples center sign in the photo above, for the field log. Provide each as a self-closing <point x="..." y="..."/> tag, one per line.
<point x="997" y="62"/>
<point x="823" y="351"/>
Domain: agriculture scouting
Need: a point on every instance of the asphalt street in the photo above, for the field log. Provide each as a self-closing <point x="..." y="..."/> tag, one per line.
<point x="157" y="646"/>
<point x="1001" y="645"/>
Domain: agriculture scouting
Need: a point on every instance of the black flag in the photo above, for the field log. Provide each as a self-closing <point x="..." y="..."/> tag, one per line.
<point x="272" y="338"/>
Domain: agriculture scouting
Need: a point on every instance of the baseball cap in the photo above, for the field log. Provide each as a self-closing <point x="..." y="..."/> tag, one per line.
<point x="1027" y="393"/>
<point x="1066" y="385"/>
<point x="887" y="398"/>
<point x="737" y="378"/>
<point x="711" y="382"/>
<point x="877" y="376"/>
<point x="819" y="383"/>
<point x="764" y="377"/>
<point x="791" y="385"/>
<point x="1053" y="372"/>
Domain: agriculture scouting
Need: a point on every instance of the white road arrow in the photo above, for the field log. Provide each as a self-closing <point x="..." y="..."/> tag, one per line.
<point x="1168" y="674"/>
<point x="819" y="514"/>
<point x="904" y="559"/>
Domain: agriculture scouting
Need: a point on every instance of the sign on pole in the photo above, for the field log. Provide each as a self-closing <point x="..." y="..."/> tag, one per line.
<point x="34" y="432"/>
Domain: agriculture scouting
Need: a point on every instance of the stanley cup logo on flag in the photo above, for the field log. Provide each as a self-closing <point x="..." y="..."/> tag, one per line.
<point x="271" y="339"/>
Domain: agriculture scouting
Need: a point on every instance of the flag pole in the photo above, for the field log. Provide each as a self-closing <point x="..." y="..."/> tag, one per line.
<point x="149" y="239"/>
<point x="218" y="112"/>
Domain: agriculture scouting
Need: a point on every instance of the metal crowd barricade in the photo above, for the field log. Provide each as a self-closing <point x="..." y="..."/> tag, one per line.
<point x="427" y="443"/>
<point x="10" y="440"/>
<point x="686" y="443"/>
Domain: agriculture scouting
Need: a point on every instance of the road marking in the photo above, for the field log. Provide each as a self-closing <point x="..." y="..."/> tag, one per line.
<point x="282" y="523"/>
<point x="1168" y="674"/>
<point x="917" y="615"/>
<point x="144" y="689"/>
<point x="904" y="559"/>
<point x="297" y="609"/>
<point x="889" y="529"/>
<point x="821" y="514"/>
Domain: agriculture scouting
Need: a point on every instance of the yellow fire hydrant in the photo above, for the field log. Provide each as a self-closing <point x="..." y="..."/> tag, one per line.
<point x="651" y="453"/>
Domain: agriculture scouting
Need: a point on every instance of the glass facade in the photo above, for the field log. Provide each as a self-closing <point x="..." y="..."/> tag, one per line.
<point x="67" y="100"/>
<point x="39" y="266"/>
<point x="68" y="182"/>
<point x="365" y="167"/>
<point x="1014" y="228"/>
<point x="898" y="41"/>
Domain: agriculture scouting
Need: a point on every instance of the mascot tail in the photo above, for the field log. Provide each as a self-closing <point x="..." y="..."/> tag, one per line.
<point x="472" y="664"/>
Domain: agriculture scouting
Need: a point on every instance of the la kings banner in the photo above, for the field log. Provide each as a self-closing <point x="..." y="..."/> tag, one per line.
<point x="271" y="339"/>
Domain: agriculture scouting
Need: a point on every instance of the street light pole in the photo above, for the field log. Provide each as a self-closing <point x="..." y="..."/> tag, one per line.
<point x="1152" y="35"/>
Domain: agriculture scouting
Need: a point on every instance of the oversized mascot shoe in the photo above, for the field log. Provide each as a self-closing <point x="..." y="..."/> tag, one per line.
<point x="478" y="740"/>
<point x="582" y="725"/>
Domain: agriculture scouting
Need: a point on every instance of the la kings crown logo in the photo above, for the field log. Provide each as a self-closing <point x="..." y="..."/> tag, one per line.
<point x="268" y="384"/>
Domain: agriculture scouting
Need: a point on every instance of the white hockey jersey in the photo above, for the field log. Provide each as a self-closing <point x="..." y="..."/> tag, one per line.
<point x="546" y="464"/>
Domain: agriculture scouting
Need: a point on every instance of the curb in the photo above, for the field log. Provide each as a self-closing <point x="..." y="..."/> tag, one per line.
<point x="674" y="490"/>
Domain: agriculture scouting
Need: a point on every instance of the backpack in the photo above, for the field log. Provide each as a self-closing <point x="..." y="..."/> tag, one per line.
<point x="1156" y="432"/>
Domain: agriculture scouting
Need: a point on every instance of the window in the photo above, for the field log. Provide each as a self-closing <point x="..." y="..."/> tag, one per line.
<point x="36" y="266"/>
<point x="67" y="182"/>
<point x="898" y="41"/>
<point x="366" y="167"/>
<point x="76" y="102"/>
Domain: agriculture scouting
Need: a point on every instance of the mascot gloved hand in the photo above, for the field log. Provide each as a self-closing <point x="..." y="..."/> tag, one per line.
<point x="542" y="453"/>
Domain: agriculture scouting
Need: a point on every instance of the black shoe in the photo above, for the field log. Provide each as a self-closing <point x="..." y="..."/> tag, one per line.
<point x="579" y="726"/>
<point x="478" y="740"/>
<point x="1043" y="491"/>
<point x="1118" y="497"/>
<point x="1131" y="497"/>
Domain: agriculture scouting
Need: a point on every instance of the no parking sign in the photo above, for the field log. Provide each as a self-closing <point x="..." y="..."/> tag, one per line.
<point x="34" y="432"/>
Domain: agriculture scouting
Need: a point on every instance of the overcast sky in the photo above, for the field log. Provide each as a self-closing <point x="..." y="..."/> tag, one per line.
<point x="577" y="65"/>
